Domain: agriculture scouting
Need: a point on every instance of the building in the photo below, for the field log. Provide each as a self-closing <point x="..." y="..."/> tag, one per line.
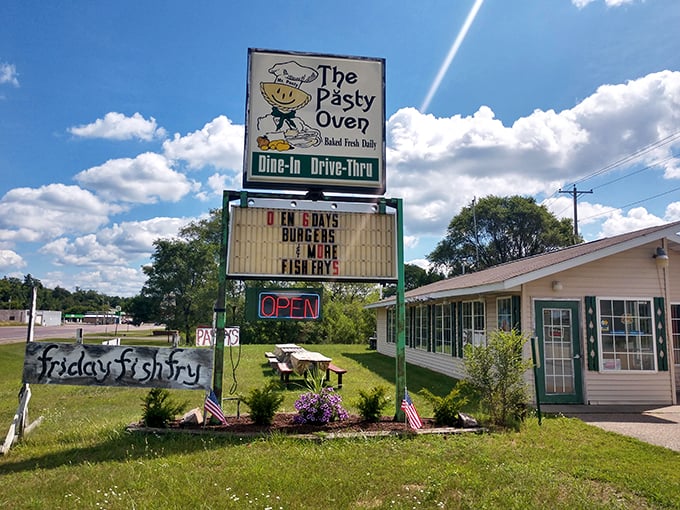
<point x="42" y="317"/>
<point x="606" y="315"/>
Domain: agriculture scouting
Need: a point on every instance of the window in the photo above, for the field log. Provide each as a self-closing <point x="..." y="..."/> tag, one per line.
<point x="442" y="328"/>
<point x="504" y="312"/>
<point x="675" y="322"/>
<point x="391" y="326"/>
<point x="472" y="315"/>
<point x="421" y="328"/>
<point x="626" y="334"/>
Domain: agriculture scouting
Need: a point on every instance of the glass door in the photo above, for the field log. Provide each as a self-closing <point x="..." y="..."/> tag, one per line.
<point x="557" y="329"/>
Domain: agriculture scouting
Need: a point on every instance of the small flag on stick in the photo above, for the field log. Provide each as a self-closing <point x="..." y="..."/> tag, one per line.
<point x="213" y="407"/>
<point x="410" y="410"/>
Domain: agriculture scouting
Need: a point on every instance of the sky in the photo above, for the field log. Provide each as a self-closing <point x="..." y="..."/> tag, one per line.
<point x="121" y="122"/>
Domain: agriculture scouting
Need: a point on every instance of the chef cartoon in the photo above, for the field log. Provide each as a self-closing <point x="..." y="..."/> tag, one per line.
<point x="283" y="129"/>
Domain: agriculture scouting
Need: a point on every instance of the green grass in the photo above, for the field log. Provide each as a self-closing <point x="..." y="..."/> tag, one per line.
<point x="81" y="456"/>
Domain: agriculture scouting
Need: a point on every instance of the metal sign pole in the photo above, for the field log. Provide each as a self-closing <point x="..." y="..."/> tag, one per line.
<point x="400" y="377"/>
<point x="220" y="304"/>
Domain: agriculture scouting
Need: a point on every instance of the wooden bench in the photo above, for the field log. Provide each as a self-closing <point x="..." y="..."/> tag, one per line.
<point x="336" y="370"/>
<point x="269" y="355"/>
<point x="284" y="371"/>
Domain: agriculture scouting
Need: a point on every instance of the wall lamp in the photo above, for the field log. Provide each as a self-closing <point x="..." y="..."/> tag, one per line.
<point x="557" y="285"/>
<point x="661" y="258"/>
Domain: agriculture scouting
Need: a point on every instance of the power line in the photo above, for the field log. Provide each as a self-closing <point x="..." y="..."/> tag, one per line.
<point x="634" y="203"/>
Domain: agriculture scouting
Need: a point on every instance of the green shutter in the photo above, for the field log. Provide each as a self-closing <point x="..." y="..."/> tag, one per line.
<point x="591" y="333"/>
<point x="516" y="314"/>
<point x="661" y="338"/>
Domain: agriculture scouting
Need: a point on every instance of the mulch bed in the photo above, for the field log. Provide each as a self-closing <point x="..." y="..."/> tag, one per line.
<point x="283" y="424"/>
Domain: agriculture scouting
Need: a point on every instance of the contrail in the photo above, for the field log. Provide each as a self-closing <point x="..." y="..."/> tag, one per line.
<point x="452" y="53"/>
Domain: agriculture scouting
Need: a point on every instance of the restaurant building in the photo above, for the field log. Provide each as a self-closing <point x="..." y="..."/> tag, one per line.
<point x="606" y="315"/>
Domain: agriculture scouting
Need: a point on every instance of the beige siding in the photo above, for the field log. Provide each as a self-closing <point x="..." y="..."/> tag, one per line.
<point x="628" y="388"/>
<point x="437" y="362"/>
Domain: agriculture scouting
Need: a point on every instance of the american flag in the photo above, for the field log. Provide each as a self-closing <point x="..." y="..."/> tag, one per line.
<point x="410" y="410"/>
<point x="213" y="407"/>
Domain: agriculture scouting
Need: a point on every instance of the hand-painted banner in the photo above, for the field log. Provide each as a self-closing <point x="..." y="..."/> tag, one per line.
<point x="104" y="365"/>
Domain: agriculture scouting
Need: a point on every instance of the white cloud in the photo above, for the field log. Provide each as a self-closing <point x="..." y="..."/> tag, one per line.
<point x="113" y="280"/>
<point x="635" y="219"/>
<point x="11" y="260"/>
<point x="536" y="155"/>
<point x="8" y="74"/>
<point x="114" y="245"/>
<point x="218" y="144"/>
<point x="51" y="211"/>
<point x="144" y="179"/>
<point x="610" y="3"/>
<point x="83" y="251"/>
<point x="116" y="126"/>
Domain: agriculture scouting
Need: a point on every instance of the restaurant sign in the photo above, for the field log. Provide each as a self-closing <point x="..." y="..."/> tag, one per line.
<point x="293" y="244"/>
<point x="315" y="122"/>
<point x="283" y="304"/>
<point x="104" y="365"/>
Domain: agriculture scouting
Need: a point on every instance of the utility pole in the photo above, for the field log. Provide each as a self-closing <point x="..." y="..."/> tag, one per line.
<point x="575" y="193"/>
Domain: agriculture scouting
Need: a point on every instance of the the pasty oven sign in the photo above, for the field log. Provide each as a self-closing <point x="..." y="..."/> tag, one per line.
<point x="315" y="122"/>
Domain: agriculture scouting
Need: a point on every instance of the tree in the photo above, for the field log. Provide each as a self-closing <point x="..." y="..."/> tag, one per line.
<point x="414" y="277"/>
<point x="182" y="283"/>
<point x="495" y="230"/>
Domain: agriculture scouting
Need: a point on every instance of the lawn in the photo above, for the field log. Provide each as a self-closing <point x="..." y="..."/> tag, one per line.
<point x="82" y="457"/>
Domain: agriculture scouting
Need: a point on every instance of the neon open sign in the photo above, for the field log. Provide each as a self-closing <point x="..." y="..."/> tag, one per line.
<point x="284" y="304"/>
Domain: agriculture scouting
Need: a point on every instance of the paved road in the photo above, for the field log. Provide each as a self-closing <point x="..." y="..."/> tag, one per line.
<point x="14" y="334"/>
<point x="659" y="425"/>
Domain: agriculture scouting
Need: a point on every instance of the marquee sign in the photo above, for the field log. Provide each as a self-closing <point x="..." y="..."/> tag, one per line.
<point x="283" y="304"/>
<point x="315" y="122"/>
<point x="292" y="244"/>
<point x="104" y="365"/>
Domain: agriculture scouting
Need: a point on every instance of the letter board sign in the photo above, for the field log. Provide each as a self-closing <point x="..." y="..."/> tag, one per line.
<point x="296" y="244"/>
<point x="315" y="122"/>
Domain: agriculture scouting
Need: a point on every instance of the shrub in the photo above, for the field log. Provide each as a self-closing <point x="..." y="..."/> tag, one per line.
<point x="263" y="403"/>
<point x="495" y="372"/>
<point x="371" y="403"/>
<point x="445" y="408"/>
<point x="158" y="409"/>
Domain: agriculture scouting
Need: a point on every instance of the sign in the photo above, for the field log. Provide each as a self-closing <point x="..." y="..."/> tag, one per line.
<point x="295" y="244"/>
<point x="204" y="337"/>
<point x="315" y="122"/>
<point x="232" y="336"/>
<point x="104" y="365"/>
<point x="283" y="304"/>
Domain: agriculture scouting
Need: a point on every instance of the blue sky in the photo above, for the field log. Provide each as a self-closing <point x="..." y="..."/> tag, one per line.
<point x="122" y="121"/>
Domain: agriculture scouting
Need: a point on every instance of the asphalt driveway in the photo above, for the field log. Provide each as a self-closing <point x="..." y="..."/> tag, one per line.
<point x="653" y="424"/>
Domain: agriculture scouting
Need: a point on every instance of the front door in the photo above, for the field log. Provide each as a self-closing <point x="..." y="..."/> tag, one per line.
<point x="557" y="329"/>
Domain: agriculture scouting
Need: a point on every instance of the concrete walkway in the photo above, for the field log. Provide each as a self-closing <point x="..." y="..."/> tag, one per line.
<point x="653" y="424"/>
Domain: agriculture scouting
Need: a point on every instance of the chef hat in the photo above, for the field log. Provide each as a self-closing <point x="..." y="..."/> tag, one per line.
<point x="293" y="74"/>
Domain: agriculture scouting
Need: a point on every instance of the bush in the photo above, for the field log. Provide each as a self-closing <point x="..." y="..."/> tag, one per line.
<point x="446" y="408"/>
<point x="158" y="409"/>
<point x="495" y="372"/>
<point x="263" y="403"/>
<point x="371" y="403"/>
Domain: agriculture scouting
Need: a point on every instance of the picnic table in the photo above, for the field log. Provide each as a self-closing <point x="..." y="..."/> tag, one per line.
<point x="291" y="358"/>
<point x="303" y="360"/>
